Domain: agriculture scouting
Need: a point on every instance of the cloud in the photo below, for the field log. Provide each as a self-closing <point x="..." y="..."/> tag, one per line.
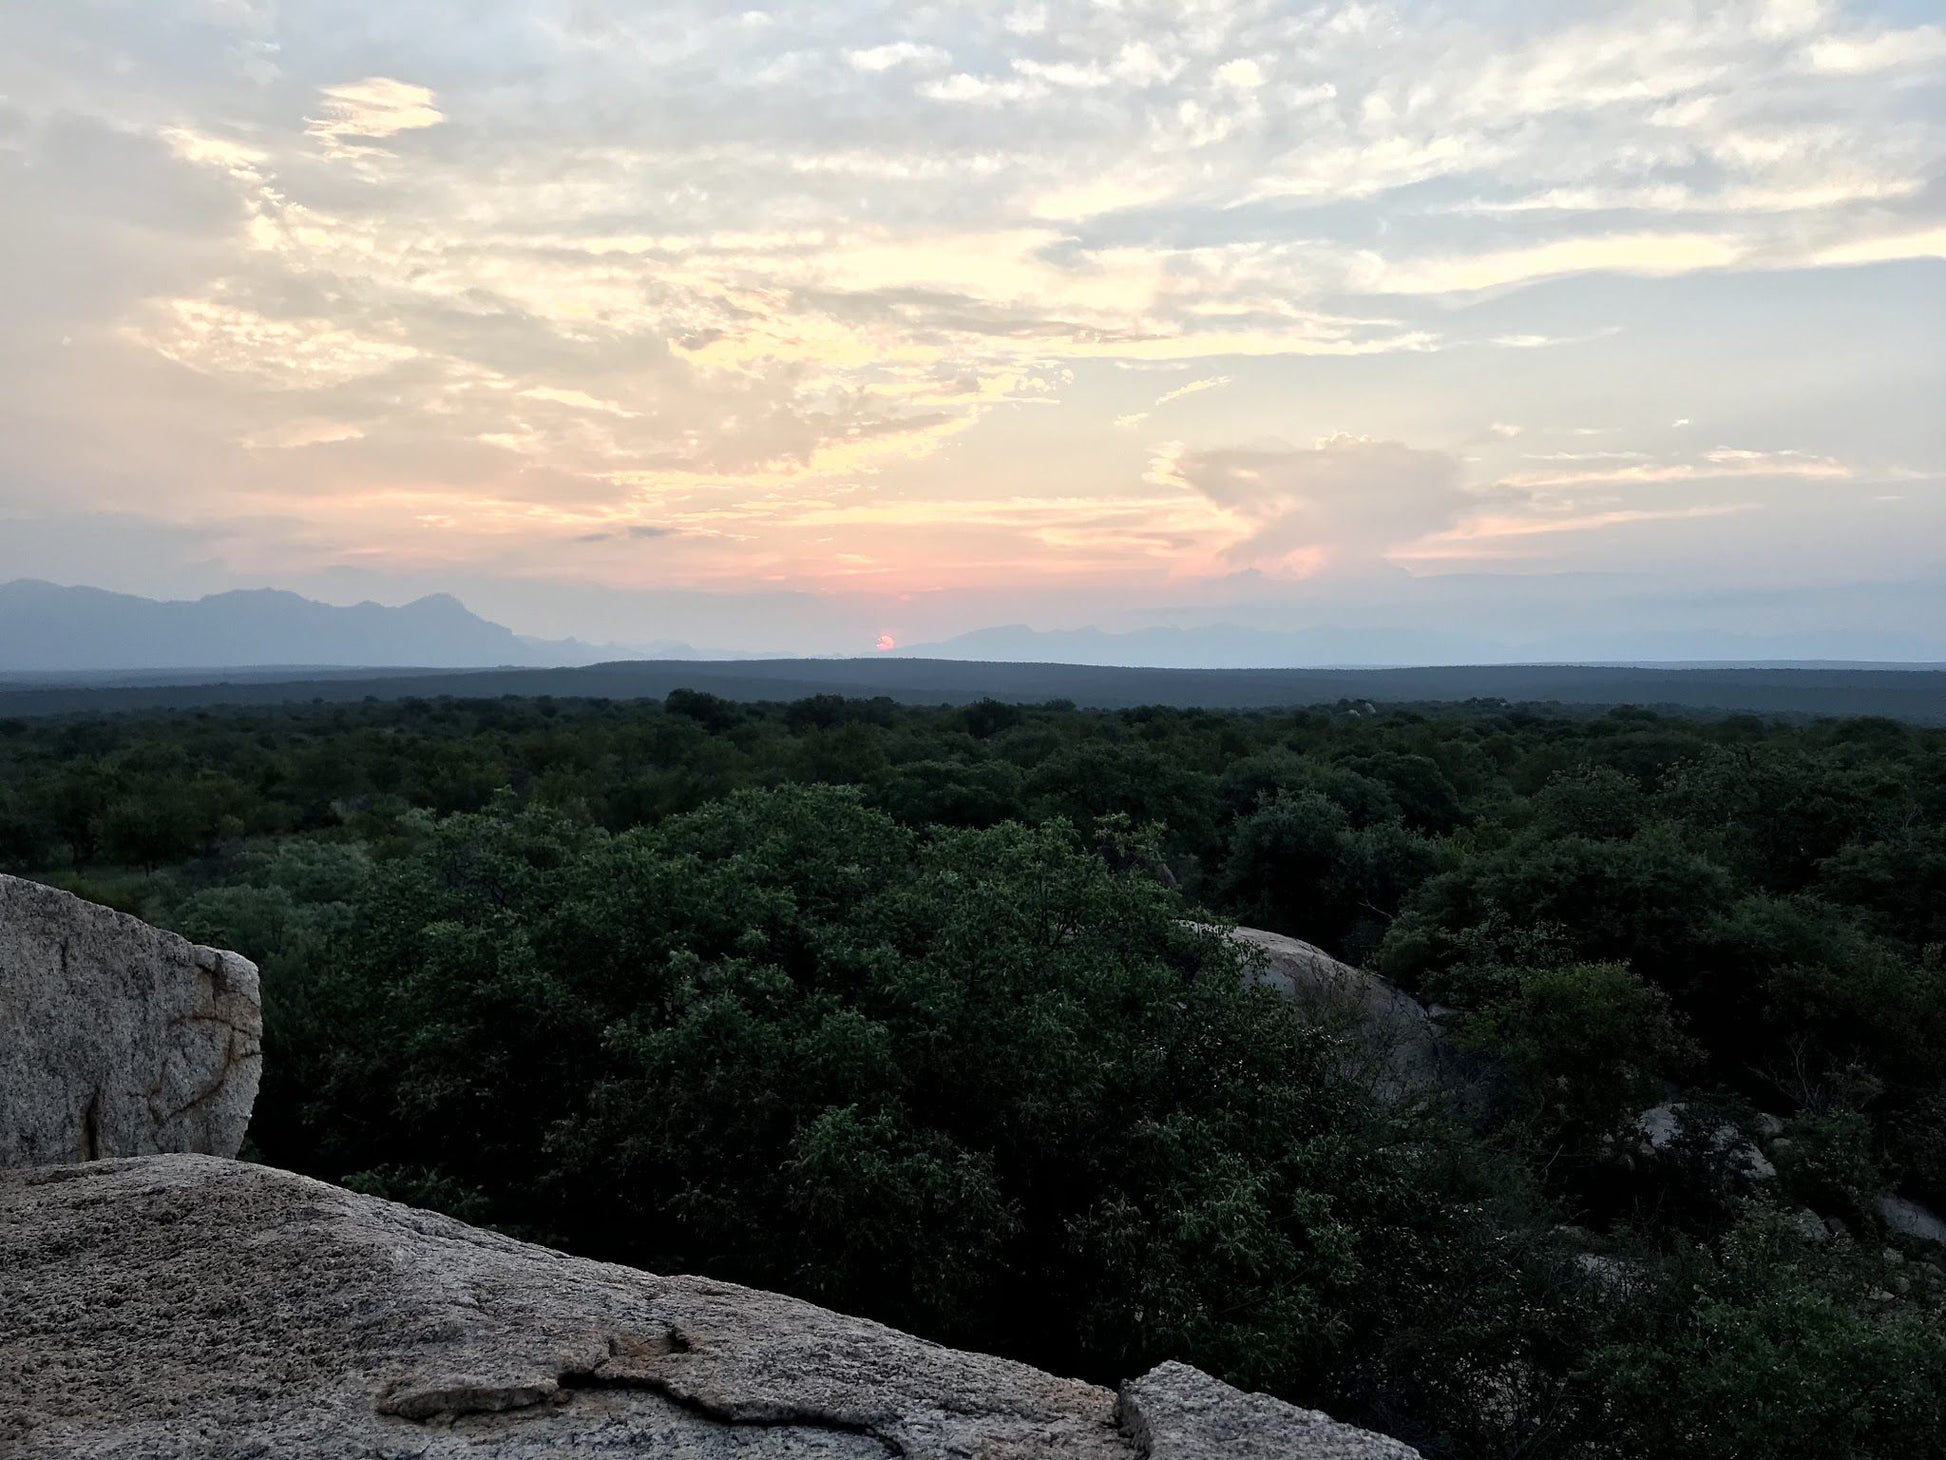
<point x="1467" y="536"/>
<point x="899" y="53"/>
<point x="734" y="271"/>
<point x="1213" y="382"/>
<point x="577" y="400"/>
<point x="297" y="435"/>
<point x="1343" y="504"/>
<point x="1648" y="254"/>
<point x="1926" y="244"/>
<point x="638" y="532"/>
<point x="1629" y="468"/>
<point x="279" y="353"/>
<point x="1242" y="73"/>
<point x="1867" y="53"/>
<point x="360" y="112"/>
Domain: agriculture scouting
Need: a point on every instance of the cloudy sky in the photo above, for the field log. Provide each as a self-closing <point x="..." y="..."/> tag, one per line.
<point x="793" y="327"/>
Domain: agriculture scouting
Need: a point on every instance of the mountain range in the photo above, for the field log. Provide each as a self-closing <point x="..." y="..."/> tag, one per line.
<point x="1212" y="646"/>
<point x="50" y="633"/>
<point x="48" y="628"/>
<point x="1396" y="639"/>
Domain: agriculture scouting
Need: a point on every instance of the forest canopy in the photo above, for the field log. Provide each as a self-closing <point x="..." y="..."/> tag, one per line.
<point x="926" y="1014"/>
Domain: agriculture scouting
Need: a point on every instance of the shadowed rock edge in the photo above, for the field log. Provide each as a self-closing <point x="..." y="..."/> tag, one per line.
<point x="149" y="1304"/>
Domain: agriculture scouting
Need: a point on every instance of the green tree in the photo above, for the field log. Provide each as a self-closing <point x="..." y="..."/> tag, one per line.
<point x="1586" y="1046"/>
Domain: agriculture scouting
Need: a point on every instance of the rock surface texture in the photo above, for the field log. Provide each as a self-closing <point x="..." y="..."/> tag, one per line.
<point x="1661" y="1126"/>
<point x="1401" y="1047"/>
<point x="116" y="1038"/>
<point x="186" y="1306"/>
<point x="1910" y="1220"/>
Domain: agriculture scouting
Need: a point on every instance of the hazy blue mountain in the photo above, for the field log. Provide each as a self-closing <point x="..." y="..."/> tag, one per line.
<point x="1215" y="646"/>
<point x="48" y="628"/>
<point x="1460" y="634"/>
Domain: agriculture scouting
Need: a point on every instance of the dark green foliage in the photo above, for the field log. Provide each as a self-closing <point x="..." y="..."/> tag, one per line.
<point x="712" y="712"/>
<point x="975" y="1083"/>
<point x="1828" y="1161"/>
<point x="1916" y="1143"/>
<point x="1296" y="865"/>
<point x="1774" y="1352"/>
<point x="904" y="1010"/>
<point x="1585" y="1046"/>
<point x="24" y="837"/>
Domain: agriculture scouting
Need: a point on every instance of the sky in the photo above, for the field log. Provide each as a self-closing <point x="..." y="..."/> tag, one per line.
<point x="1613" y="328"/>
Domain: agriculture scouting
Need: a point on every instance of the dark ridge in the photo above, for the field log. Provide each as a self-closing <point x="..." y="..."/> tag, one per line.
<point x="1914" y="695"/>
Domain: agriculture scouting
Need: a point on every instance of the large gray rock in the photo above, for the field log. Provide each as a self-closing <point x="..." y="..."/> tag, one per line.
<point x="1659" y="1128"/>
<point x="1182" y="1413"/>
<point x="1394" y="1042"/>
<point x="116" y="1038"/>
<point x="180" y="1306"/>
<point x="1911" y="1220"/>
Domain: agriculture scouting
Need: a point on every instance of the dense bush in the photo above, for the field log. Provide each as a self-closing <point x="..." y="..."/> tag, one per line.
<point x="1584" y="1046"/>
<point x="1770" y="1352"/>
<point x="971" y="1082"/>
<point x="908" y="1011"/>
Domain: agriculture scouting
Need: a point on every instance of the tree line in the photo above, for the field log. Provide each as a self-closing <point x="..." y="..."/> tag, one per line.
<point x="919" y="1013"/>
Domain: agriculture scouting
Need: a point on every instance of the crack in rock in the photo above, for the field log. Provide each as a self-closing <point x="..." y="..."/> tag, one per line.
<point x="167" y="1300"/>
<point x="629" y="1365"/>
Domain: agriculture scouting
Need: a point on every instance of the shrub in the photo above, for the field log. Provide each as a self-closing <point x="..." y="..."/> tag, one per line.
<point x="1586" y="1046"/>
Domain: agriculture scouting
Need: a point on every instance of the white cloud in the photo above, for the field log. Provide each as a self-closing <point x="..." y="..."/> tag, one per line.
<point x="1631" y="469"/>
<point x="578" y="400"/>
<point x="1867" y="53"/>
<point x="298" y="434"/>
<point x="961" y="86"/>
<point x="281" y="354"/>
<point x="684" y="250"/>
<point x="1927" y="244"/>
<point x="1076" y="75"/>
<point x="1213" y="382"/>
<point x="358" y="113"/>
<point x="1651" y="254"/>
<point x="1341" y="505"/>
<point x="898" y="53"/>
<point x="1243" y="73"/>
<point x="1026" y="19"/>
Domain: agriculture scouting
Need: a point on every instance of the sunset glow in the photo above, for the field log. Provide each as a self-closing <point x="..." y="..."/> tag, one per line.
<point x="769" y="327"/>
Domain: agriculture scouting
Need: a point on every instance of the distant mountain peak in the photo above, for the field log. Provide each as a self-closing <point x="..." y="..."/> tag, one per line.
<point x="51" y="628"/>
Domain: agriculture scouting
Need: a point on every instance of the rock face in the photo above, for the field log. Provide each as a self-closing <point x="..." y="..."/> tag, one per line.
<point x="118" y="1039"/>
<point x="1910" y="1220"/>
<point x="1659" y="1127"/>
<point x="1401" y="1048"/>
<point x="186" y="1306"/>
<point x="1181" y="1413"/>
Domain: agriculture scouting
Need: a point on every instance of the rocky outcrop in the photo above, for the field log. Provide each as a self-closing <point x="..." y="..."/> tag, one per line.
<point x="185" y="1306"/>
<point x="1396" y="1043"/>
<point x="1660" y="1129"/>
<point x="1908" y="1219"/>
<point x="1181" y="1413"/>
<point x="118" y="1039"/>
